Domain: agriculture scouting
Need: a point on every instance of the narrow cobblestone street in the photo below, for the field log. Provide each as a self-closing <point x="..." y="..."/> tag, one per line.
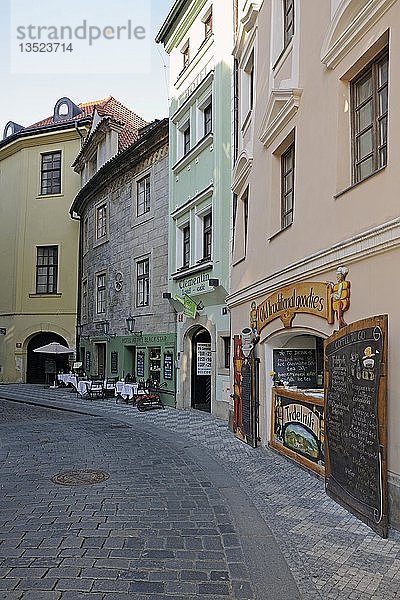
<point x="186" y="512"/>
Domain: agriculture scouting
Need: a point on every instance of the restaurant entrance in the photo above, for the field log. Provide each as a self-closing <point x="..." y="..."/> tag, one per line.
<point x="201" y="370"/>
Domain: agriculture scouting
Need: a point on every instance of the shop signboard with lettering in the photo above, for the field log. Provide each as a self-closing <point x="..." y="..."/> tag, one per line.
<point x="140" y="364"/>
<point x="114" y="362"/>
<point x="298" y="427"/>
<point x="356" y="424"/>
<point x="168" y="365"/>
<point x="204" y="358"/>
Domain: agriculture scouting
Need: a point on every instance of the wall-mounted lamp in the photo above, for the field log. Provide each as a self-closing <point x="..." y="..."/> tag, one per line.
<point x="130" y="325"/>
<point x="213" y="282"/>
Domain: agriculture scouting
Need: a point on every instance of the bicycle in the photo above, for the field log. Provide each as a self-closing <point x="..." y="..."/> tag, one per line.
<point x="150" y="400"/>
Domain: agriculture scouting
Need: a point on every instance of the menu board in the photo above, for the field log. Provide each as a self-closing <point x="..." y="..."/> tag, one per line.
<point x="140" y="364"/>
<point x="203" y="358"/>
<point x="87" y="362"/>
<point x="114" y="362"/>
<point x="355" y="409"/>
<point x="296" y="367"/>
<point x="168" y="356"/>
<point x="246" y="400"/>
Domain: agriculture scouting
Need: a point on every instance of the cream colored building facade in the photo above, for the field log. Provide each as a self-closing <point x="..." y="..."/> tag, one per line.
<point x="316" y="176"/>
<point x="39" y="240"/>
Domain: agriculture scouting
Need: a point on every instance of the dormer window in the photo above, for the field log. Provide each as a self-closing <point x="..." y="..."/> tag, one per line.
<point x="65" y="109"/>
<point x="11" y="128"/>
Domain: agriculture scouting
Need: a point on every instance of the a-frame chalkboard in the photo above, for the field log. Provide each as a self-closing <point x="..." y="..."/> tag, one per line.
<point x="355" y="413"/>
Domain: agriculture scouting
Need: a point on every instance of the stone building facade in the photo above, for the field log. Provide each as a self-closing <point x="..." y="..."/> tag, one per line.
<point x="125" y="326"/>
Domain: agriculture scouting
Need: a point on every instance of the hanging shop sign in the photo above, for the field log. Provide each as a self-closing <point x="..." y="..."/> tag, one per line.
<point x="298" y="427"/>
<point x="356" y="425"/>
<point x="305" y="297"/>
<point x="203" y="358"/>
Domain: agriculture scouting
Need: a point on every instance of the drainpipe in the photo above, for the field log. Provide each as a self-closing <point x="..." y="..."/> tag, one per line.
<point x="79" y="292"/>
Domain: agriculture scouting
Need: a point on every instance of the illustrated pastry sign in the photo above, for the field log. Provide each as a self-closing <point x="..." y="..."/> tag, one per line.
<point x="323" y="299"/>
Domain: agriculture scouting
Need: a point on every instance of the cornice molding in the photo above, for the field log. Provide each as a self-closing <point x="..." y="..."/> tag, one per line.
<point x="282" y="107"/>
<point x="374" y="241"/>
<point x="352" y="20"/>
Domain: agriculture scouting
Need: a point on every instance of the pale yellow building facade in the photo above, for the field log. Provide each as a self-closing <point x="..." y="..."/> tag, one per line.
<point x="316" y="180"/>
<point x="38" y="240"/>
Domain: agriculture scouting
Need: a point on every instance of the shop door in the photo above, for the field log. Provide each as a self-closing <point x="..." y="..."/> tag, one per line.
<point x="201" y="370"/>
<point x="101" y="360"/>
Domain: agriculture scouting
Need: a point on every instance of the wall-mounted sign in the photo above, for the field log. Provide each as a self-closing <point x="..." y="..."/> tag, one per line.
<point x="168" y="365"/>
<point x="87" y="362"/>
<point x="298" y="428"/>
<point x="140" y="364"/>
<point x="114" y="362"/>
<point x="296" y="367"/>
<point x="204" y="358"/>
<point x="356" y="427"/>
<point x="198" y="284"/>
<point x="305" y="297"/>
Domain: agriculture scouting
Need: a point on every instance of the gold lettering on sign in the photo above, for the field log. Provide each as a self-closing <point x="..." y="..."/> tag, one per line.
<point x="304" y="297"/>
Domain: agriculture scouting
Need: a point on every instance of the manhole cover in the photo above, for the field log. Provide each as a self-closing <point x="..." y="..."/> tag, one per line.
<point x="81" y="477"/>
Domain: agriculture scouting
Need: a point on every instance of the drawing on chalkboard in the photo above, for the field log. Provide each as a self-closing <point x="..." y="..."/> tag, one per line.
<point x="368" y="364"/>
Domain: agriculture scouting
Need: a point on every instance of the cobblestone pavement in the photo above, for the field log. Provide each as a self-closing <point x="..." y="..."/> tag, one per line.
<point x="331" y="555"/>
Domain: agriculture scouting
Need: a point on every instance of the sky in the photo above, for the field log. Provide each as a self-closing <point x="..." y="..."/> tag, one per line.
<point x="113" y="53"/>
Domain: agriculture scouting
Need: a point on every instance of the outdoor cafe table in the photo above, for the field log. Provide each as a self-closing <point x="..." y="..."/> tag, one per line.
<point x="68" y="378"/>
<point x="126" y="390"/>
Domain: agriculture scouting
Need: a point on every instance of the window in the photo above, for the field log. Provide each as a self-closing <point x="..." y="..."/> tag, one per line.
<point x="247" y="79"/>
<point x="101" y="294"/>
<point x="143" y="196"/>
<point x="85" y="234"/>
<point x="245" y="202"/>
<point x="186" y="55"/>
<point x="227" y="352"/>
<point x="142" y="282"/>
<point x="208" y="25"/>
<point x="207" y="236"/>
<point x="186" y="246"/>
<point x="46" y="269"/>
<point x="207" y="119"/>
<point x="370" y="113"/>
<point x="51" y="173"/>
<point x="186" y="139"/>
<point x="287" y="187"/>
<point x="101" y="221"/>
<point x="288" y="20"/>
<point x="84" y="308"/>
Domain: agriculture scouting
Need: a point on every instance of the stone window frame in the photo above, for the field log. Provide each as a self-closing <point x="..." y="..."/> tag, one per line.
<point x="140" y="176"/>
<point x="105" y="237"/>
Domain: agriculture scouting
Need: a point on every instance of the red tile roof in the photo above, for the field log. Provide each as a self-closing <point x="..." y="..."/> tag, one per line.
<point x="105" y="107"/>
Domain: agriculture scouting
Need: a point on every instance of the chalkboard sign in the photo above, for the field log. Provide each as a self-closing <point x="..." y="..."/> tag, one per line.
<point x="296" y="367"/>
<point x="114" y="362"/>
<point x="246" y="400"/>
<point x="168" y="365"/>
<point x="87" y="362"/>
<point x="140" y="364"/>
<point x="50" y="366"/>
<point x="356" y="471"/>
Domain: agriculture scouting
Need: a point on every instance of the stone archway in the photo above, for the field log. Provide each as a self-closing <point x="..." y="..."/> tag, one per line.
<point x="37" y="362"/>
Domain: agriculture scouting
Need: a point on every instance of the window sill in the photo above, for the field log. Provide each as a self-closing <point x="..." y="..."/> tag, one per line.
<point x="42" y="196"/>
<point x="100" y="241"/>
<point x="357" y="183"/>
<point x="55" y="295"/>
<point x="275" y="235"/>
<point x="142" y="220"/>
<point x="180" y="274"/>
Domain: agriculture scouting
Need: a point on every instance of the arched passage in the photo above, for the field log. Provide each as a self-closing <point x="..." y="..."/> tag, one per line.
<point x="38" y="363"/>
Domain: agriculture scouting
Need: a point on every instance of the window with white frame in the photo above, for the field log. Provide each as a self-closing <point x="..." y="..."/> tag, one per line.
<point x="185" y="55"/>
<point x="208" y="23"/>
<point x="287" y="186"/>
<point x="143" y="195"/>
<point x="186" y="139"/>
<point x="46" y="269"/>
<point x="288" y="21"/>
<point x="100" y="293"/>
<point x="186" y="245"/>
<point x="143" y="282"/>
<point x="207" y="236"/>
<point x="101" y="221"/>
<point x="207" y="118"/>
<point x="247" y="96"/>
